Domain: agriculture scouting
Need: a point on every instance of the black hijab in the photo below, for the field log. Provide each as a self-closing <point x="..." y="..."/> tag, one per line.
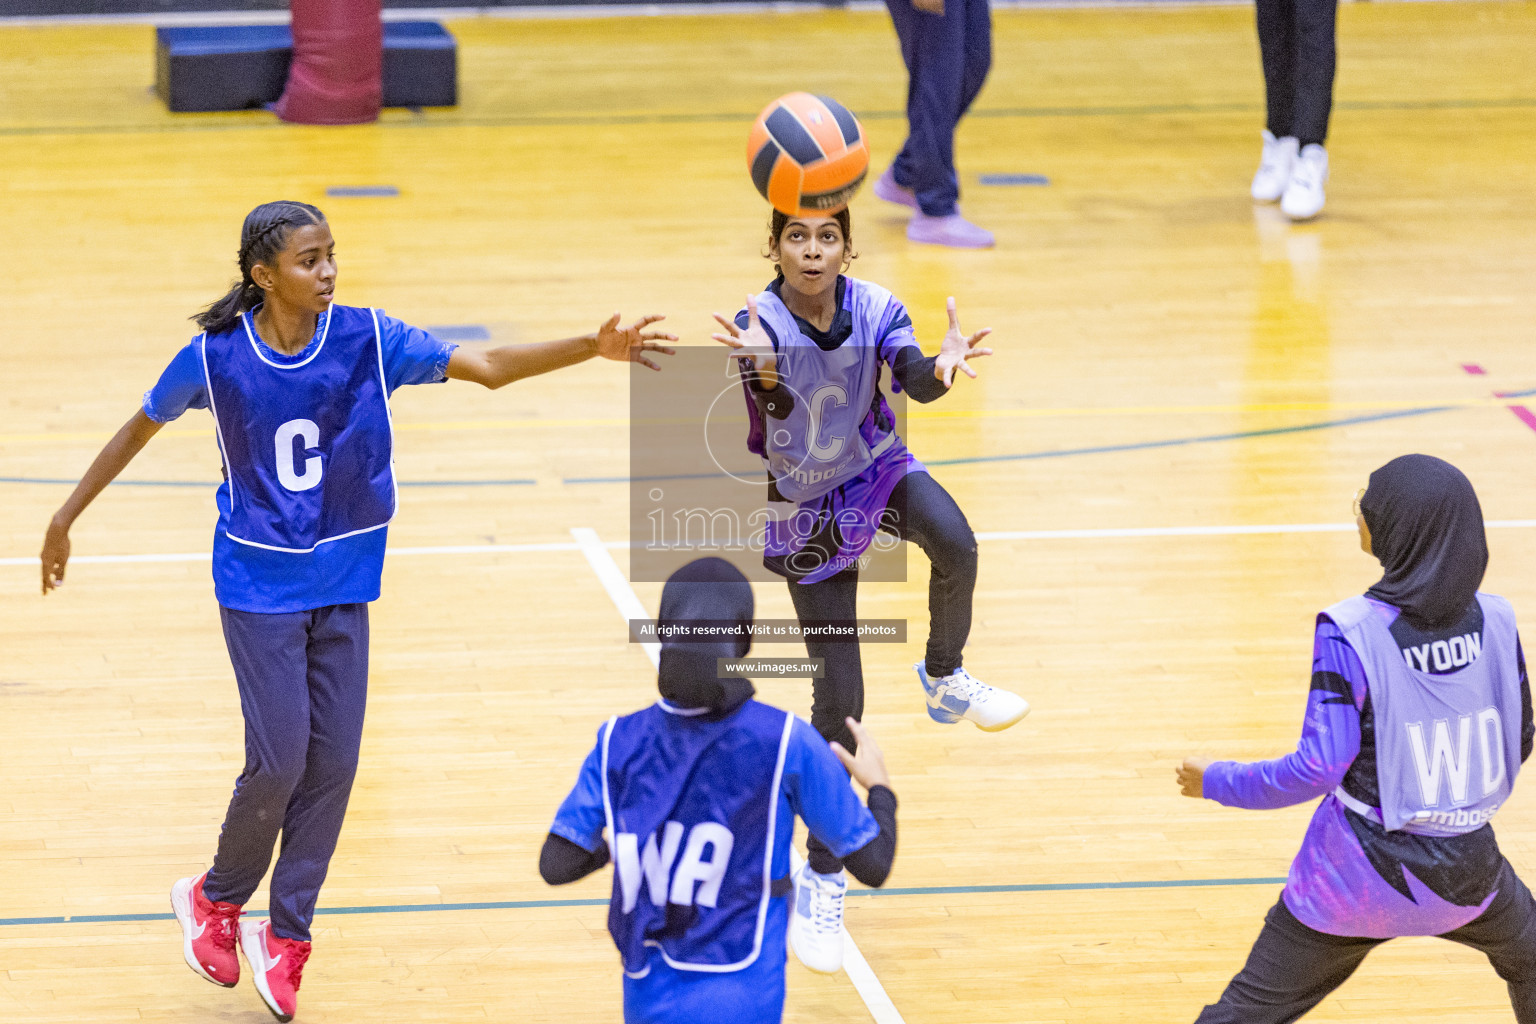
<point x="712" y="592"/>
<point x="1427" y="531"/>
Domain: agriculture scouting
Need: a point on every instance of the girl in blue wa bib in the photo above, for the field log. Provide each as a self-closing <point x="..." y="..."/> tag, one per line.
<point x="299" y="392"/>
<point x="1417" y="723"/>
<point x="815" y="344"/>
<point x="699" y="794"/>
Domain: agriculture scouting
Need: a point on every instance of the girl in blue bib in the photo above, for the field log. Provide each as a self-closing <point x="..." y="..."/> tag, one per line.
<point x="298" y="388"/>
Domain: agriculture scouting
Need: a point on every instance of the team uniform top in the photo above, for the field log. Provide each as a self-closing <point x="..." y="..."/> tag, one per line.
<point x="700" y="815"/>
<point x="307" y="449"/>
<point x="826" y="434"/>
<point x="1416" y="738"/>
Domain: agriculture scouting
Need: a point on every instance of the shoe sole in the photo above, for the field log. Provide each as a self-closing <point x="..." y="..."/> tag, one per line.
<point x="795" y="897"/>
<point x="1005" y="725"/>
<point x="259" y="972"/>
<point x="954" y="245"/>
<point x="897" y="199"/>
<point x="181" y="906"/>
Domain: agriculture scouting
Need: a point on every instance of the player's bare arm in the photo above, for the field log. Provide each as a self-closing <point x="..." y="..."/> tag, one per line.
<point x="497" y="367"/>
<point x="114" y="457"/>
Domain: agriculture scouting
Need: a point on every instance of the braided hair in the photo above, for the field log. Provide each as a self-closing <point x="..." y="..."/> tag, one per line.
<point x="262" y="237"/>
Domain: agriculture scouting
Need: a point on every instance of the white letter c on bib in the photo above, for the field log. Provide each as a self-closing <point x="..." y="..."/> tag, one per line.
<point x="286" y="475"/>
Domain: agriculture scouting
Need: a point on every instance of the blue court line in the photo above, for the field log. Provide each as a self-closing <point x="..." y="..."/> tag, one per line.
<point x="361" y="191"/>
<point x="1053" y="453"/>
<point x="422" y="908"/>
<point x="1012" y="179"/>
<point x="1174" y="442"/>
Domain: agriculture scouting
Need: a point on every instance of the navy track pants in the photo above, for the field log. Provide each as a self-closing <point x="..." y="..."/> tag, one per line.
<point x="303" y="680"/>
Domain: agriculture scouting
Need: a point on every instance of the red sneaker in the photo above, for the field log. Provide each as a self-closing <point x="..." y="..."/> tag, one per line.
<point x="207" y="931"/>
<point x="278" y="964"/>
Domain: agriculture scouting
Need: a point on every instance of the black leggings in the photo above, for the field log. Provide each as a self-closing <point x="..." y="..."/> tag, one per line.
<point x="1296" y="40"/>
<point x="921" y="511"/>
<point x="1292" y="968"/>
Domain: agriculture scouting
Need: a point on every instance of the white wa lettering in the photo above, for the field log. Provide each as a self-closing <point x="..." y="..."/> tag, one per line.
<point x="1489" y="724"/>
<point x="1420" y="654"/>
<point x="655" y="865"/>
<point x="694" y="868"/>
<point x="1458" y="766"/>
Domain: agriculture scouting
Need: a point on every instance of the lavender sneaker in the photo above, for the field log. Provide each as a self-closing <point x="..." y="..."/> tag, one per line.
<point x="954" y="231"/>
<point x="887" y="189"/>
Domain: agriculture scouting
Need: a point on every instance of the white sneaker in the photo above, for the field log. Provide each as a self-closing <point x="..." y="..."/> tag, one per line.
<point x="961" y="695"/>
<point x="1303" y="197"/>
<point x="1275" y="164"/>
<point x="816" y="919"/>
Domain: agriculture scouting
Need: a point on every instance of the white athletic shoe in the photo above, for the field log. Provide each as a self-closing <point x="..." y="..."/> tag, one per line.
<point x="1303" y="197"/>
<point x="1275" y="165"/>
<point x="961" y="695"/>
<point x="816" y="919"/>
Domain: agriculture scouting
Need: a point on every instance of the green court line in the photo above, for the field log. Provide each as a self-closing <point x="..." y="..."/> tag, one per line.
<point x="422" y="908"/>
<point x="262" y="122"/>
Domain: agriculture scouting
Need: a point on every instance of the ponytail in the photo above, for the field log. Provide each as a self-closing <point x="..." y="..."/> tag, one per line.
<point x="262" y="237"/>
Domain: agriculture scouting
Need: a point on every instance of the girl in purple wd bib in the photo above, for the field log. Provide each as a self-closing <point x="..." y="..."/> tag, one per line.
<point x="814" y="346"/>
<point x="299" y="389"/>
<point x="1418" y="721"/>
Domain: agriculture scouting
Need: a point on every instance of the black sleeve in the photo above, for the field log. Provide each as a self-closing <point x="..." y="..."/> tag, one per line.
<point x="915" y="372"/>
<point x="776" y="403"/>
<point x="562" y="861"/>
<point x="871" y="863"/>
<point x="1527" y="724"/>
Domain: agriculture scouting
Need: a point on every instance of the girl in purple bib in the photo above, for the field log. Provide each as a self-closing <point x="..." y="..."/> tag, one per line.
<point x="814" y="346"/>
<point x="1418" y="721"/>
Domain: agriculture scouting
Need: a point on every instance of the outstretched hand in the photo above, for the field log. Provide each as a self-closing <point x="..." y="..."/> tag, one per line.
<point x="55" y="555"/>
<point x="957" y="348"/>
<point x="1191" y="776"/>
<point x="753" y="342"/>
<point x="867" y="766"/>
<point x="629" y="344"/>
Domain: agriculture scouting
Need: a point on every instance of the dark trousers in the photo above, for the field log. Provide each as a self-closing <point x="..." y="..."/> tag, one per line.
<point x="920" y="511"/>
<point x="1296" y="39"/>
<point x="1292" y="968"/>
<point x="303" y="680"/>
<point x="947" y="57"/>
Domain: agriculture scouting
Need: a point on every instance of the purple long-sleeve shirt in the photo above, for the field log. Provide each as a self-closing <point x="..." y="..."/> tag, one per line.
<point x="1352" y="877"/>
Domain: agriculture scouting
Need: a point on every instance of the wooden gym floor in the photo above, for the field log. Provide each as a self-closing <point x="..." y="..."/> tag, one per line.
<point x="1169" y="356"/>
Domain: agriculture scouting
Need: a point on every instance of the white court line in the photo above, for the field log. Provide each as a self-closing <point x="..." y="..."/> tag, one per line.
<point x="628" y="602"/>
<point x="613" y="581"/>
<point x="1100" y="534"/>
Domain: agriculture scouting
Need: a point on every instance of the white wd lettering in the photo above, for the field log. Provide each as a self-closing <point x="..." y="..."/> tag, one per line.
<point x="1457" y="766"/>
<point x="1493" y="753"/>
<point x="656" y="865"/>
<point x="1442" y="652"/>
<point x="309" y="432"/>
<point x="819" y="398"/>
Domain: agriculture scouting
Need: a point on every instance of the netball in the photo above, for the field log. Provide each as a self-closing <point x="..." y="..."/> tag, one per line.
<point x="807" y="154"/>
